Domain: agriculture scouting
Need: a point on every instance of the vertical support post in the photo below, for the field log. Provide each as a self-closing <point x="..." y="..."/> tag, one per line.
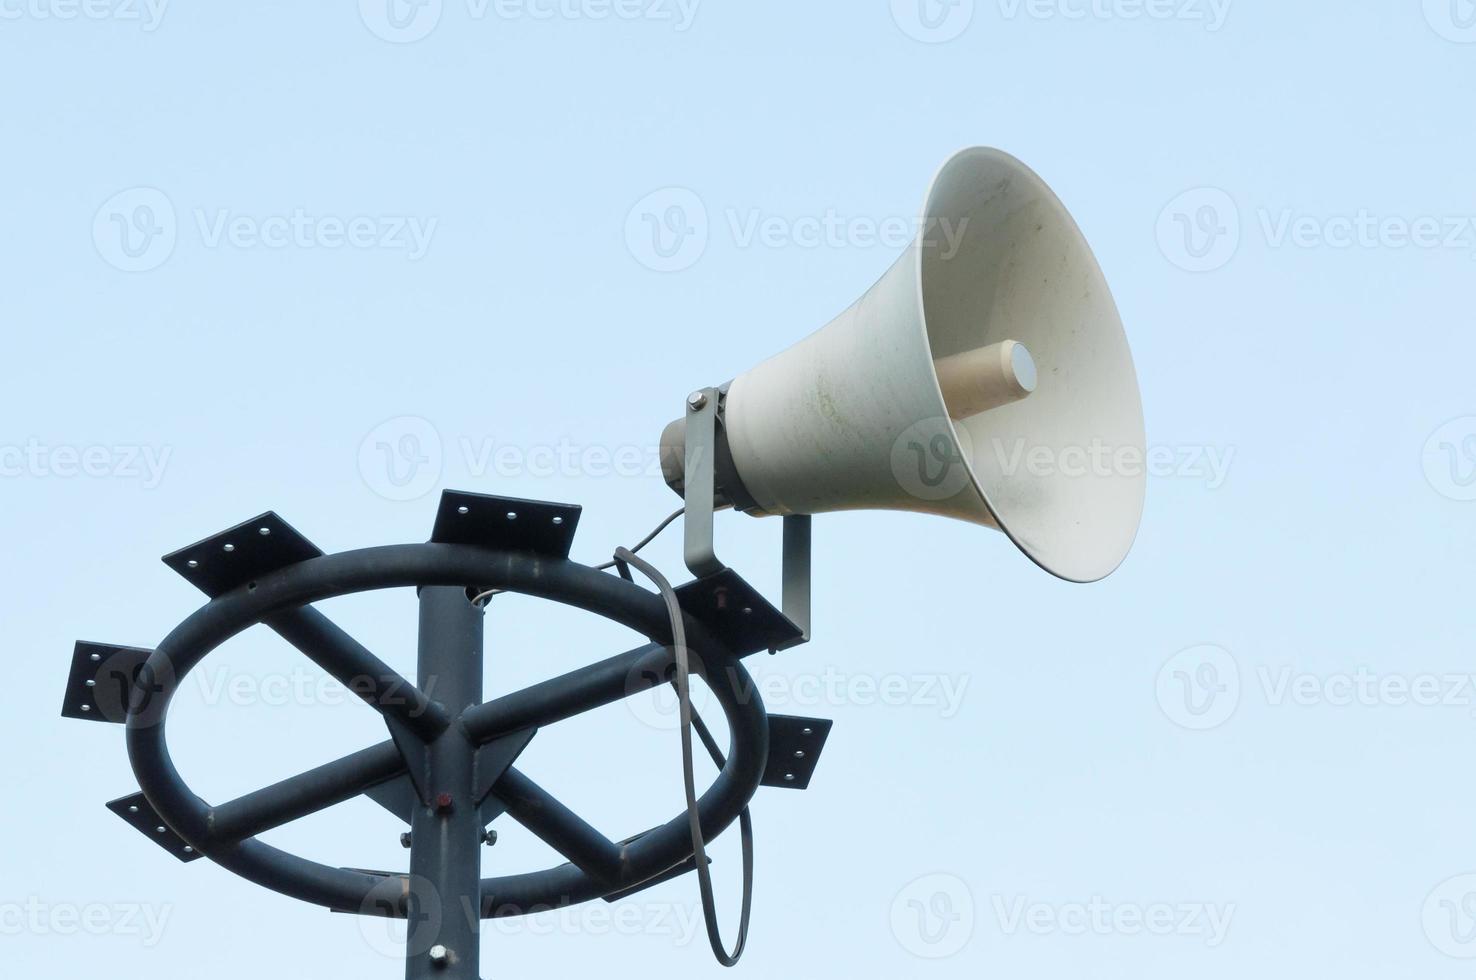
<point x="797" y="573"/>
<point x="444" y="911"/>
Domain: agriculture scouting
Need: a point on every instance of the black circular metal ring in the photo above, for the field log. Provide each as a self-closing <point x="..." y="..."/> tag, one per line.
<point x="414" y="565"/>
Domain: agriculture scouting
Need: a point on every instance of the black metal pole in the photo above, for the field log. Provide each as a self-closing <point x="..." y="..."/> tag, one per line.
<point x="443" y="941"/>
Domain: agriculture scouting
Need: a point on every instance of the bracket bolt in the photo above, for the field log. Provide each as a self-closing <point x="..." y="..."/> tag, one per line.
<point x="489" y="837"/>
<point x="405" y="840"/>
<point x="697" y="401"/>
<point x="440" y="956"/>
<point x="444" y="804"/>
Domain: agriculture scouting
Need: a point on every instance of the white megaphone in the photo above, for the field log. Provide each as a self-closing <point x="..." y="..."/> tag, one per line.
<point x="985" y="377"/>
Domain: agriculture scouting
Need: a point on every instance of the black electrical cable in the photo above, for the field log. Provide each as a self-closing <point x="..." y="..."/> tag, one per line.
<point x="648" y="538"/>
<point x="689" y="720"/>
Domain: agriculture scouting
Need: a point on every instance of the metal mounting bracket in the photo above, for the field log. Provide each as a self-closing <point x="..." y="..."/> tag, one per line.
<point x="506" y="522"/>
<point x="794" y="750"/>
<point x="700" y="486"/>
<point x="100" y="684"/>
<point x="141" y="816"/>
<point x="704" y="408"/>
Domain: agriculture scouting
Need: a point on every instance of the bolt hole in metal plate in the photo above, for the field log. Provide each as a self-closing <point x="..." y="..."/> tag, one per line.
<point x="136" y="810"/>
<point x="506" y="523"/>
<point x="794" y="750"/>
<point x="101" y="681"/>
<point x="242" y="554"/>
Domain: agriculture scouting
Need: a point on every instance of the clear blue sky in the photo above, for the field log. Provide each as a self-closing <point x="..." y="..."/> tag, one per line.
<point x="244" y="246"/>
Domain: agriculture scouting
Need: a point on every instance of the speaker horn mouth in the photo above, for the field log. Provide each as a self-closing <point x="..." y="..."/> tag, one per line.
<point x="1001" y="262"/>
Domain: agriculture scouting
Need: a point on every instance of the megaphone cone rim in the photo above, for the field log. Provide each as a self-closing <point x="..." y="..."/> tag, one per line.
<point x="1019" y="168"/>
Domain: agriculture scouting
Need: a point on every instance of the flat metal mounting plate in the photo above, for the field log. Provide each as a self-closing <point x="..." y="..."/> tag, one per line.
<point x="794" y="750"/>
<point x="737" y="612"/>
<point x="237" y="556"/>
<point x="141" y="816"/>
<point x="101" y="681"/>
<point x="506" y="522"/>
<point x="397" y="795"/>
<point x="400" y="796"/>
<point x="494" y="759"/>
